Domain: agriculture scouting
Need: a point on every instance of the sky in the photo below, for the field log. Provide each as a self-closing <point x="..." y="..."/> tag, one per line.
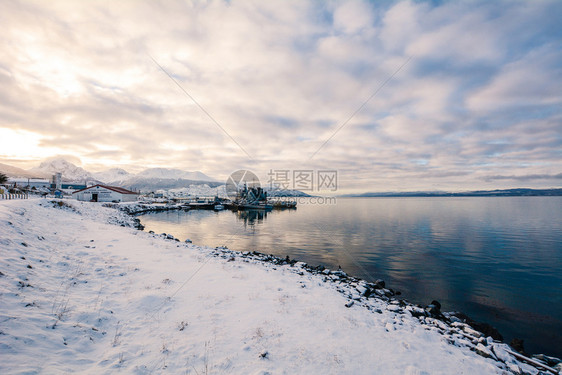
<point x="394" y="96"/>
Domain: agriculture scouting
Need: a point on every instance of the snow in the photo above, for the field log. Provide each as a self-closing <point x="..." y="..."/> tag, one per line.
<point x="70" y="172"/>
<point x="118" y="176"/>
<point x="202" y="190"/>
<point x="174" y="174"/>
<point x="82" y="291"/>
<point x="112" y="175"/>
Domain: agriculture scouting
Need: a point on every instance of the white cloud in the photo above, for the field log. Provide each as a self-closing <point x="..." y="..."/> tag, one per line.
<point x="533" y="80"/>
<point x="280" y="78"/>
<point x="352" y="16"/>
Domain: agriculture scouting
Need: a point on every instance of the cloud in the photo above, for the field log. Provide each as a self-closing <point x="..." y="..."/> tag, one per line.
<point x="478" y="98"/>
<point x="530" y="177"/>
<point x="531" y="81"/>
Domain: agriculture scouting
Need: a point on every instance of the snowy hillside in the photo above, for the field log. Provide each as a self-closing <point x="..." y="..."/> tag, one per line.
<point x="81" y="295"/>
<point x="12" y="171"/>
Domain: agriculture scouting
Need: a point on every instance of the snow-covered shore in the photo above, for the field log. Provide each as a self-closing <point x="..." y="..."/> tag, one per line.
<point x="80" y="293"/>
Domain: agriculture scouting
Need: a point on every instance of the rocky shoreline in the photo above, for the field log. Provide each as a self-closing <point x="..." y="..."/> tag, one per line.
<point x="142" y="208"/>
<point x="457" y="328"/>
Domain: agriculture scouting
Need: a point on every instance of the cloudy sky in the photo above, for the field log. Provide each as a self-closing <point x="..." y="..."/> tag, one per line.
<point x="409" y="95"/>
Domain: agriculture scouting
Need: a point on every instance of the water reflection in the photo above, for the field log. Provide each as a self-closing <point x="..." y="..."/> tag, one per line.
<point x="497" y="259"/>
<point x="251" y="217"/>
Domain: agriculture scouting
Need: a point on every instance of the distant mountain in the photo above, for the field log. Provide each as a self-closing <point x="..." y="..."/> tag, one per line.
<point x="148" y="180"/>
<point x="69" y="171"/>
<point x="477" y="193"/>
<point x="153" y="179"/>
<point x="166" y="173"/>
<point x="145" y="185"/>
<point x="112" y="176"/>
<point x="274" y="192"/>
<point x="15" y="172"/>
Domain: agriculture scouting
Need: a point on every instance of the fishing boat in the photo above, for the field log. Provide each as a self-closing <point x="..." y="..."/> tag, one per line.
<point x="251" y="198"/>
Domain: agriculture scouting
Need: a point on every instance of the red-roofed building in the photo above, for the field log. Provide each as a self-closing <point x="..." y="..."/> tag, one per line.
<point x="104" y="193"/>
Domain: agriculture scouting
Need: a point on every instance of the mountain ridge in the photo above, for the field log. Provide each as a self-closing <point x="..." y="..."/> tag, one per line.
<point x="475" y="193"/>
<point x="148" y="179"/>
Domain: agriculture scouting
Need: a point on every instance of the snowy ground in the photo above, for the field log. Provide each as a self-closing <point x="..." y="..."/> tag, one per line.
<point x="79" y="294"/>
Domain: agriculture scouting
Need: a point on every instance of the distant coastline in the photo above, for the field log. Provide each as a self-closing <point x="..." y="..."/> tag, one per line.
<point x="519" y="192"/>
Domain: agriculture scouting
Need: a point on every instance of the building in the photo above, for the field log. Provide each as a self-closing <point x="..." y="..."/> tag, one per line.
<point x="57" y="181"/>
<point x="29" y="183"/>
<point x="103" y="193"/>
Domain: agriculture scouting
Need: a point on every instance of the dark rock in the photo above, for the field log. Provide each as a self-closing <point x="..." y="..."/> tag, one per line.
<point x="517" y="345"/>
<point x="485" y="328"/>
<point x="434" y="310"/>
<point x="417" y="314"/>
<point x="29" y="266"/>
<point x="388" y="292"/>
<point x="349" y="304"/>
<point x="380" y="284"/>
<point x="549" y="361"/>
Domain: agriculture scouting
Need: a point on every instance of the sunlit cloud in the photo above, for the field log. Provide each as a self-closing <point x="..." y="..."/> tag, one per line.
<point x="480" y="97"/>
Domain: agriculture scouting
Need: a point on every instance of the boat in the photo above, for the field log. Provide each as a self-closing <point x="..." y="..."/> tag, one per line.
<point x="255" y="207"/>
<point x="218" y="207"/>
<point x="250" y="198"/>
<point x="204" y="203"/>
<point x="284" y="204"/>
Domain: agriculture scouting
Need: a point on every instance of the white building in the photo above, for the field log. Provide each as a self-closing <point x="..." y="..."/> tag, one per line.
<point x="103" y="193"/>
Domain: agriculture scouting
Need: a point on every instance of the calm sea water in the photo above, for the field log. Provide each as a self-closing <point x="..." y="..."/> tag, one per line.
<point x="498" y="259"/>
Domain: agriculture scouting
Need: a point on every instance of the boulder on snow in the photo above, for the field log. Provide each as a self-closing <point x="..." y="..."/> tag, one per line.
<point x="380" y="284"/>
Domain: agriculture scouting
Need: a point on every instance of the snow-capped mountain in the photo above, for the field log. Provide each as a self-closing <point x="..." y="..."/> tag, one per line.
<point x="153" y="179"/>
<point x="112" y="175"/>
<point x="69" y="171"/>
<point x="149" y="179"/>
